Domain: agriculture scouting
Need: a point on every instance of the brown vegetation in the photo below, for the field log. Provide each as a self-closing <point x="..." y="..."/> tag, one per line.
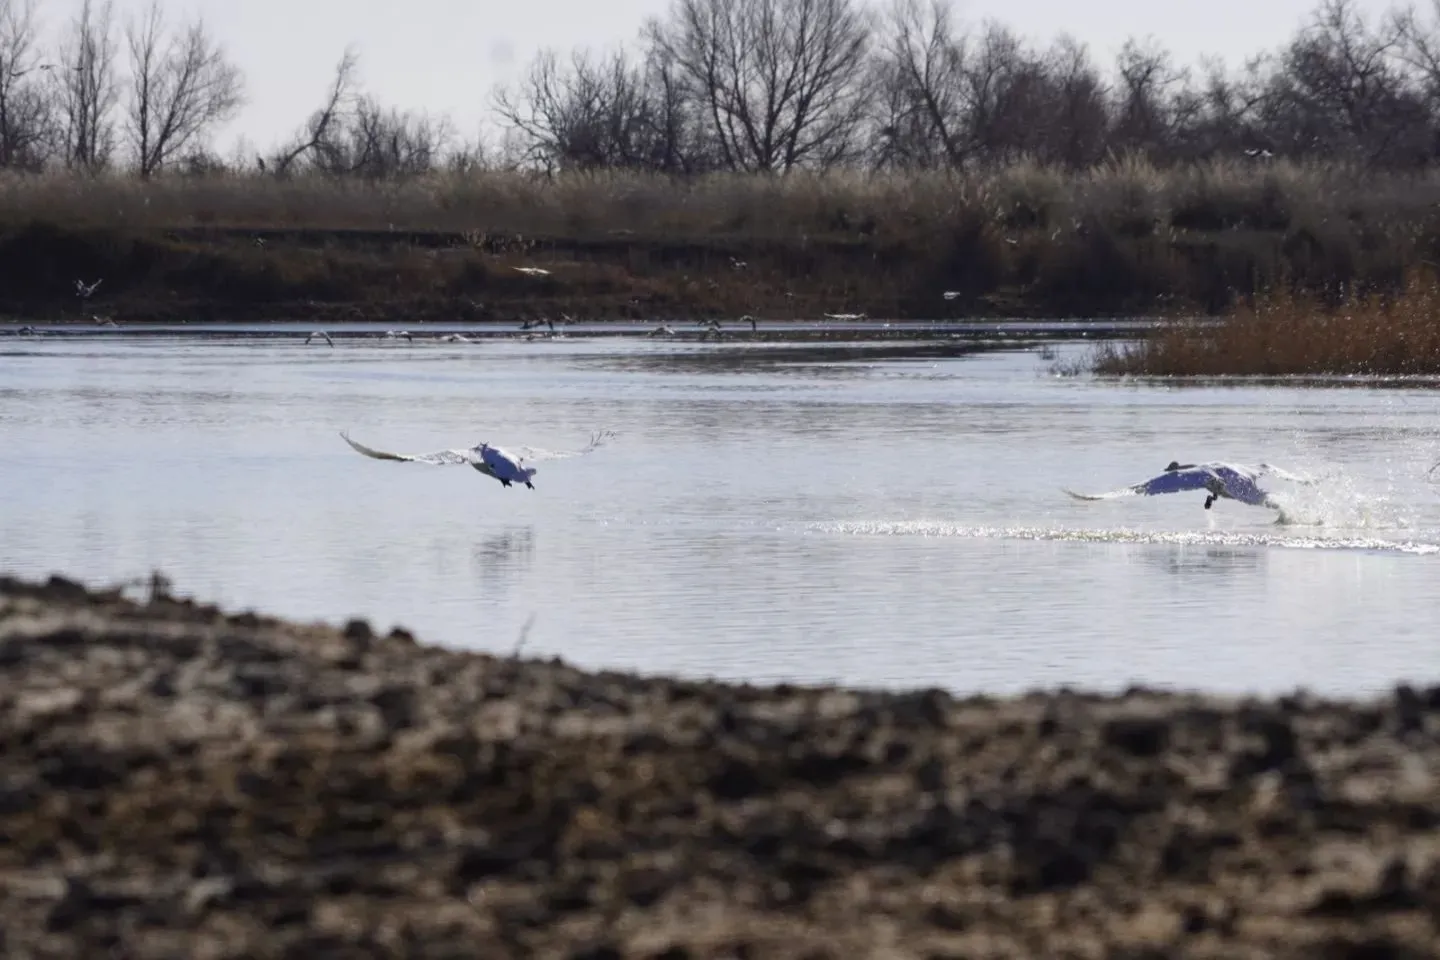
<point x="1127" y="238"/>
<point x="1282" y="332"/>
<point x="178" y="782"/>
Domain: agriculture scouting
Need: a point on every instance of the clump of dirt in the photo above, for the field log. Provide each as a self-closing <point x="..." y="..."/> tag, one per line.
<point x="179" y="782"/>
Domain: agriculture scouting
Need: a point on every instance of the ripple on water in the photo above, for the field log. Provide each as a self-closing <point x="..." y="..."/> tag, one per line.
<point x="933" y="528"/>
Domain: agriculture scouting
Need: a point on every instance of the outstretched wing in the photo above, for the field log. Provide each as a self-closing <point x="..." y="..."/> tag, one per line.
<point x="536" y="454"/>
<point x="439" y="458"/>
<point x="1286" y="474"/>
<point x="1175" y="481"/>
<point x="1111" y="495"/>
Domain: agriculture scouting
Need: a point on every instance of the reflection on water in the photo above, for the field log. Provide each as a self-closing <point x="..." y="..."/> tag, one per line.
<point x="505" y="556"/>
<point x="1216" y="563"/>
<point x="880" y="514"/>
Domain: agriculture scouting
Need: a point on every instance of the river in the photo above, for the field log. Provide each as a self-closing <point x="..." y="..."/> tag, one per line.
<point x="878" y="512"/>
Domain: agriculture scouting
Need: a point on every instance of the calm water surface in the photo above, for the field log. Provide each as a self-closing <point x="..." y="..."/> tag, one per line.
<point x="877" y="513"/>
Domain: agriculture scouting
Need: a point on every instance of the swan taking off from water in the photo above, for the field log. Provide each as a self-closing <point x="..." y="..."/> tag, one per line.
<point x="1221" y="480"/>
<point x="489" y="459"/>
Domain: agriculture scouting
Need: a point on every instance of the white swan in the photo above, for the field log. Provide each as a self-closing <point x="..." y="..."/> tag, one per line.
<point x="1221" y="480"/>
<point x="487" y="458"/>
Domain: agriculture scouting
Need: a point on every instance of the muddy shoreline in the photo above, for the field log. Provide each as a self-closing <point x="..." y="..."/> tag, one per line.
<point x="182" y="782"/>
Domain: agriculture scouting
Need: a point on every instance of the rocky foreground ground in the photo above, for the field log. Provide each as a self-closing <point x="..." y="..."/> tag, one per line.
<point x="180" y="783"/>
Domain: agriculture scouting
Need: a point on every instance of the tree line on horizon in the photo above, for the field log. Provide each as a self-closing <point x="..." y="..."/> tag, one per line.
<point x="760" y="86"/>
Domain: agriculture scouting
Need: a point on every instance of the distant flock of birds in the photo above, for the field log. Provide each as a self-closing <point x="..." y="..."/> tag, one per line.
<point x="713" y="329"/>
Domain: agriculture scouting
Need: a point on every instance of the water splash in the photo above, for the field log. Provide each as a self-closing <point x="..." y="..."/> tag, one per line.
<point x="936" y="528"/>
<point x="1339" y="501"/>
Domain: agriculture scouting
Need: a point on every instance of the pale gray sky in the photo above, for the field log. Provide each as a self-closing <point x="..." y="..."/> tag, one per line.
<point x="444" y="56"/>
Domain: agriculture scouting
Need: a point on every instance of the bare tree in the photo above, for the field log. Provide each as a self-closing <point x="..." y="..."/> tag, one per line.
<point x="595" y="113"/>
<point x="1222" y="115"/>
<point x="25" y="117"/>
<point x="1341" y="92"/>
<point x="1075" y="134"/>
<point x="467" y="156"/>
<point x="384" y="142"/>
<point x="985" y="99"/>
<point x="682" y="139"/>
<point x="1417" y="46"/>
<point x="1151" y="99"/>
<point x="561" y="113"/>
<point x="920" y="87"/>
<point x="1008" y="97"/>
<point x="181" y="88"/>
<point x="781" y="82"/>
<point x="321" y="132"/>
<point x="86" y="89"/>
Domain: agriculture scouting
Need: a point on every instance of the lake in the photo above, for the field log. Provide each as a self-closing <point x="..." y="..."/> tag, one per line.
<point x="878" y="512"/>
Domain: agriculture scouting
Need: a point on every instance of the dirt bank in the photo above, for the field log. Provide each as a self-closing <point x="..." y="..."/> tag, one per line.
<point x="181" y="783"/>
<point x="326" y="275"/>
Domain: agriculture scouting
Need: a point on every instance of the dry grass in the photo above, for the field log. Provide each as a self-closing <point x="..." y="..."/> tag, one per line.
<point x="1130" y="196"/>
<point x="1380" y="333"/>
<point x="1125" y="238"/>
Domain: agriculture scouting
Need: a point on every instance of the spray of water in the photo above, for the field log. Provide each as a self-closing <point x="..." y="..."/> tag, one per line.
<point x="1339" y="502"/>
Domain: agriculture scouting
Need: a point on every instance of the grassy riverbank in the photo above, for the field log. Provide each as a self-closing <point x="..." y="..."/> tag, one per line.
<point x="1021" y="242"/>
<point x="179" y="782"/>
<point x="1285" y="332"/>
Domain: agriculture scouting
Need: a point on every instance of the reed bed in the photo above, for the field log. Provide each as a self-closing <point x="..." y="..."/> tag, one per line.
<point x="1129" y="195"/>
<point x="1288" y="332"/>
<point x="1125" y="238"/>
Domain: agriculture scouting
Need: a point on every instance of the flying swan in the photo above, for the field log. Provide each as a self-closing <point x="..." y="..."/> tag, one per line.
<point x="489" y="459"/>
<point x="1221" y="480"/>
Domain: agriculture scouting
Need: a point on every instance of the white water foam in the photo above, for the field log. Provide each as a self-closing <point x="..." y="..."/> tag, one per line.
<point x="936" y="528"/>
<point x="1338" y="501"/>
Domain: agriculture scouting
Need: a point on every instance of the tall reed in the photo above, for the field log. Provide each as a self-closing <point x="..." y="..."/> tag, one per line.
<point x="1285" y="332"/>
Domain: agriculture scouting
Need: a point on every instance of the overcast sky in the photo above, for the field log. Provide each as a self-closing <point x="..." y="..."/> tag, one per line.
<point x="445" y="56"/>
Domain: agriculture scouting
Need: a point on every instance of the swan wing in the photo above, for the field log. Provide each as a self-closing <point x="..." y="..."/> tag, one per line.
<point x="536" y="454"/>
<point x="438" y="458"/>
<point x="1177" y="481"/>
<point x="1109" y="495"/>
<point x="1286" y="474"/>
<point x="1174" y="482"/>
